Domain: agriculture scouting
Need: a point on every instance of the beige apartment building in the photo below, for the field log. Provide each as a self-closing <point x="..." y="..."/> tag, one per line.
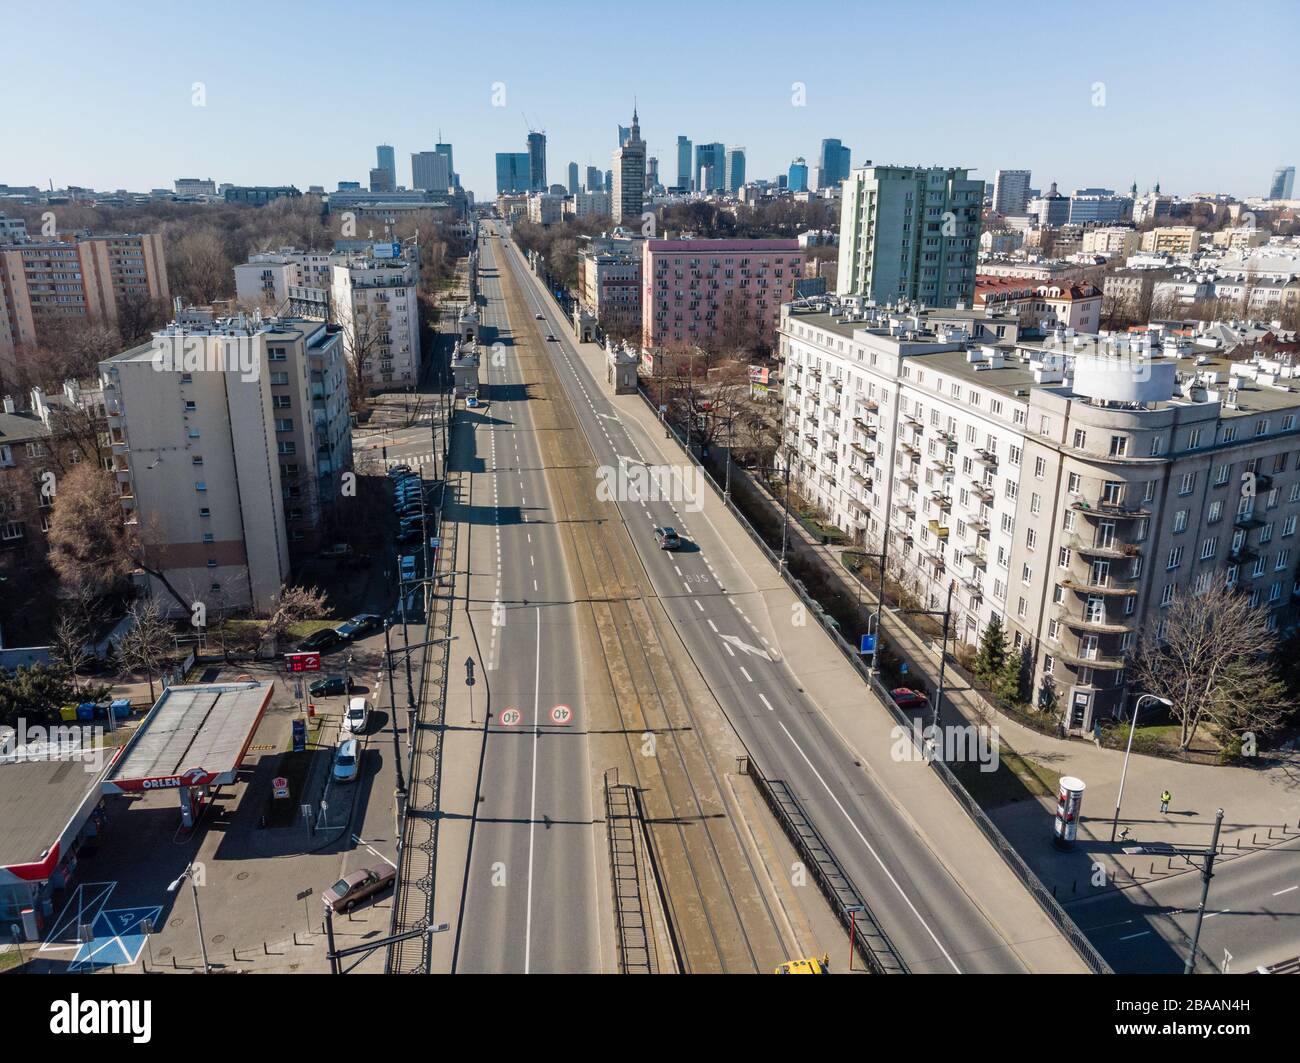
<point x="79" y="276"/>
<point x="1073" y="486"/>
<point x="1172" y="239"/>
<point x="229" y="437"/>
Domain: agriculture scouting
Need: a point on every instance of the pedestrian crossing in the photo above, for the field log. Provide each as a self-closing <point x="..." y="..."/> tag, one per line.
<point x="411" y="459"/>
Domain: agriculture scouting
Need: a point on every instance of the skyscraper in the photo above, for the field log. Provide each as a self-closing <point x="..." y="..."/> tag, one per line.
<point x="835" y="162"/>
<point x="713" y="159"/>
<point x="735" y="168"/>
<point x="651" y="172"/>
<point x="910" y="233"/>
<point x="537" y="161"/>
<point x="573" y="178"/>
<point x="1283" y="183"/>
<point x="595" y="180"/>
<point x="623" y="133"/>
<point x="430" y="171"/>
<point x="386" y="160"/>
<point x="445" y="150"/>
<point x="1011" y="192"/>
<point x="512" y="172"/>
<point x="628" y="199"/>
<point x="684" y="163"/>
<point x="798" y="178"/>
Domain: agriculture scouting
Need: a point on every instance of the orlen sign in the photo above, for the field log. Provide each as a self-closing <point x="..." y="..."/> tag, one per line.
<point x="193" y="777"/>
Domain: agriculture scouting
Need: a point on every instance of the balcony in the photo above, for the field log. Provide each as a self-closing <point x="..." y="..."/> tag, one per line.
<point x="977" y="558"/>
<point x="989" y="461"/>
<point x="971" y="585"/>
<point x="1101" y="664"/>
<point x="1100" y="508"/>
<point x="910" y="450"/>
<point x="1111" y="549"/>
<point x="1096" y="627"/>
<point x="909" y="480"/>
<point x="1248" y="521"/>
<point x="1071" y="583"/>
<point x="983" y="490"/>
<point x="937" y="529"/>
<point x="858" y="448"/>
<point x="942" y="466"/>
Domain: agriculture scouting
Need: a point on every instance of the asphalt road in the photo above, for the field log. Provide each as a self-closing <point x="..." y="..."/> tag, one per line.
<point x="1252" y="917"/>
<point x="530" y="897"/>
<point x="934" y="924"/>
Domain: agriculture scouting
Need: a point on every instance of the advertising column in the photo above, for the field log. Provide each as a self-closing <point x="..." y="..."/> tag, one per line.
<point x="1069" y="801"/>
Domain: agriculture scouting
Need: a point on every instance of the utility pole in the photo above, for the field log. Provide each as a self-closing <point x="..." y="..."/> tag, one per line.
<point x="1207" y="872"/>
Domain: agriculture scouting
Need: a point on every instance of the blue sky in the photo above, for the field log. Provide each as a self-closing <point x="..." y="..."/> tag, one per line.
<point x="1198" y="96"/>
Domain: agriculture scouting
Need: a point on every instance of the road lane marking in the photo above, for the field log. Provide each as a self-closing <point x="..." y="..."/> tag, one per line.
<point x="745" y="673"/>
<point x="1289" y="889"/>
<point x="532" y="814"/>
<point x="763" y="698"/>
<point x="729" y="649"/>
<point x="1130" y="937"/>
<point x="863" y="838"/>
<point x="714" y="626"/>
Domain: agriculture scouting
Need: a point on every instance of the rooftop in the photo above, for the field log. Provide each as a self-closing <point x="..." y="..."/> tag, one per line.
<point x="203" y="726"/>
<point x="38" y="799"/>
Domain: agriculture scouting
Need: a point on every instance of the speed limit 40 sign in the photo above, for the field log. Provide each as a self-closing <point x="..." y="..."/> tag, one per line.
<point x="562" y="715"/>
<point x="511" y="717"/>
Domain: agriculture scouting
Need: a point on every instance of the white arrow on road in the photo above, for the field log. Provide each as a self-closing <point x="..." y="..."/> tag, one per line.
<point x="741" y="644"/>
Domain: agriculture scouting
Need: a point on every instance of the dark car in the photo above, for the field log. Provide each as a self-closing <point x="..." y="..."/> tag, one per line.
<point x="398" y="471"/>
<point x="668" y="539"/>
<point x="909" y="699"/>
<point x="329" y="684"/>
<point x="320" y="641"/>
<point x="360" y="625"/>
<point x="353" y="888"/>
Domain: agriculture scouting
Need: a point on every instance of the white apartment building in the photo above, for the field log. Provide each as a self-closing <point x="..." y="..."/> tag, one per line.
<point x="545" y="208"/>
<point x="229" y="438"/>
<point x="268" y="278"/>
<point x="1111" y="240"/>
<point x="375" y="300"/>
<point x="1073" y="486"/>
<point x="582" y="204"/>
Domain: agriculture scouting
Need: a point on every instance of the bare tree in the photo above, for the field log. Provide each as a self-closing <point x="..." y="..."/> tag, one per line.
<point x="295" y="605"/>
<point x="1209" y="654"/>
<point x="147" y="642"/>
<point x="89" y="544"/>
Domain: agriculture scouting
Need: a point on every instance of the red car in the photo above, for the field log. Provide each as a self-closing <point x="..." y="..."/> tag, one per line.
<point x="351" y="889"/>
<point x="909" y="699"/>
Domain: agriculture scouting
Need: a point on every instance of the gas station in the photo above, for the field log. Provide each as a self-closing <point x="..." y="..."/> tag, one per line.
<point x="195" y="738"/>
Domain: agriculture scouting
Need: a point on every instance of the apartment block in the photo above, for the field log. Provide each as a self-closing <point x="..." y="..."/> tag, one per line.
<point x="1011" y="191"/>
<point x="81" y="277"/>
<point x="544" y="208"/>
<point x="229" y="438"/>
<point x="706" y="291"/>
<point x="1113" y="241"/>
<point x="1038" y="305"/>
<point x="910" y="233"/>
<point x="375" y="300"/>
<point x="1172" y="239"/>
<point x="609" y="284"/>
<point x="583" y="204"/>
<point x="1072" y="485"/>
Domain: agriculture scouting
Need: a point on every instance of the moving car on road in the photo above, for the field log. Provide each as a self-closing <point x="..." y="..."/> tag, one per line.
<point x="397" y="471"/>
<point x="355" y="887"/>
<point x="538" y="316"/>
<point x="668" y="539"/>
<point x="345" y="761"/>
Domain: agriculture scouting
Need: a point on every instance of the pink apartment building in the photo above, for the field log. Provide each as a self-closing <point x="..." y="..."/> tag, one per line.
<point x="702" y="291"/>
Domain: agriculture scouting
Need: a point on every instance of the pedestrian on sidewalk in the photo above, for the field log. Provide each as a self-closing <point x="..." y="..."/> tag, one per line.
<point x="1096" y="733"/>
<point x="1165" y="798"/>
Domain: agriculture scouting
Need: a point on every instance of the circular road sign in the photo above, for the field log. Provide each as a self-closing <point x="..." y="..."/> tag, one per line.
<point x="511" y="717"/>
<point x="562" y="714"/>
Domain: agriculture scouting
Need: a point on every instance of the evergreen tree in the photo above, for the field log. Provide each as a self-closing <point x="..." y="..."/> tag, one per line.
<point x="1009" y="681"/>
<point x="992" y="652"/>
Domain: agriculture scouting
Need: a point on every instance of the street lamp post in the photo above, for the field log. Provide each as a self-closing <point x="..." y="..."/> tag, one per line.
<point x="188" y="873"/>
<point x="1114" y="823"/>
<point x="1207" y="873"/>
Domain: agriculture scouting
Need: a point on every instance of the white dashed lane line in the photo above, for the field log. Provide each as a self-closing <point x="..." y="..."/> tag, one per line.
<point x="743" y="672"/>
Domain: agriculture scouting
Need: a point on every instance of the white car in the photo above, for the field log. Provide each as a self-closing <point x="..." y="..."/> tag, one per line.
<point x="357" y="718"/>
<point x="345" y="761"/>
<point x="538" y="316"/>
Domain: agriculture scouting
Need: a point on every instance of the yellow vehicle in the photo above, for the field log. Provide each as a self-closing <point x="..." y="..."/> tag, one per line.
<point x="811" y="965"/>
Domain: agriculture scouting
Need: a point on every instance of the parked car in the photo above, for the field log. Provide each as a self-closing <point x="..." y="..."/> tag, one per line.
<point x="357" y="718"/>
<point x="328" y="684"/>
<point x="668" y="539"/>
<point x="550" y="337"/>
<point x="905" y="698"/>
<point x="320" y="641"/>
<point x="538" y="316"/>
<point x="407" y="567"/>
<point x="360" y="625"/>
<point x="345" y="761"/>
<point x="396" y="471"/>
<point x="472" y="402"/>
<point x="355" y="887"/>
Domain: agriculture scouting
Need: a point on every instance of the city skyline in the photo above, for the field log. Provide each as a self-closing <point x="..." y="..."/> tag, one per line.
<point x="1098" y="96"/>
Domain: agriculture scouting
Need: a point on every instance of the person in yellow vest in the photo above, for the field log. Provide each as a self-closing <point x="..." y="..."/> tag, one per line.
<point x="1165" y="798"/>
